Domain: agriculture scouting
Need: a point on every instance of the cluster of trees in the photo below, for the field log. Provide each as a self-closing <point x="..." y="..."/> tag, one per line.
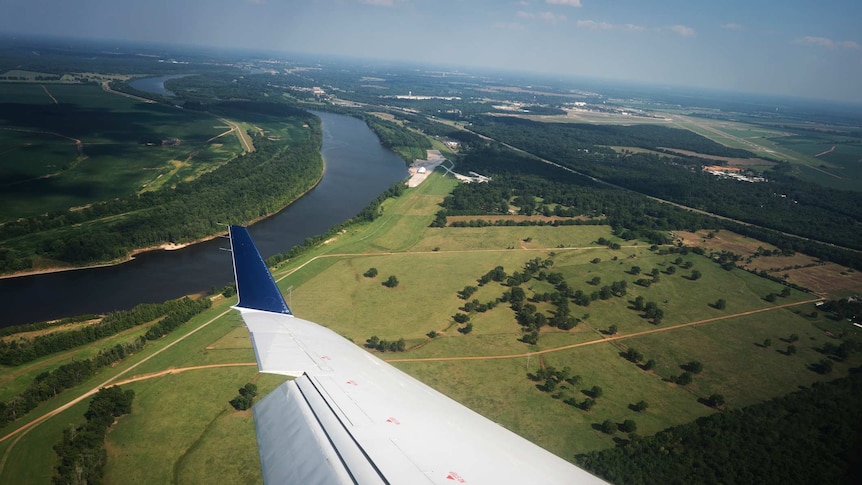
<point x="19" y="351"/>
<point x="553" y="380"/>
<point x="177" y="317"/>
<point x="81" y="454"/>
<point x="51" y="383"/>
<point x="245" y="397"/>
<point x="381" y="345"/>
<point x="844" y="308"/>
<point x="650" y="308"/>
<point x="809" y="436"/>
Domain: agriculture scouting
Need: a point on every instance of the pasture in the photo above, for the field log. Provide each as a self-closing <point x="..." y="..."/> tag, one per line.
<point x="201" y="439"/>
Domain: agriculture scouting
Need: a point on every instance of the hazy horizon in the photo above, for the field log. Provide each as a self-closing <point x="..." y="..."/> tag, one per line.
<point x="799" y="49"/>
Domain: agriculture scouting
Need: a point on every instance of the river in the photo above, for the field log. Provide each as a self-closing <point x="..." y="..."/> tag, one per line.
<point x="156" y="84"/>
<point x="358" y="169"/>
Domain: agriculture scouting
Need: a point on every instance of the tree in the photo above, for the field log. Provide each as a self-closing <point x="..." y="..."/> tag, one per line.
<point x="629" y="426"/>
<point x="391" y="282"/>
<point x="608" y="427"/>
<point x="670" y="270"/>
<point x="770" y="297"/>
<point x="595" y="281"/>
<point x="467" y="328"/>
<point x="588" y="404"/>
<point x="793" y="338"/>
<point x="720" y="304"/>
<point x="461" y="318"/>
<point x="715" y="400"/>
<point x="767" y="343"/>
<point x="639" y="303"/>
<point x="633" y="355"/>
<point x="612" y="330"/>
<point x="467" y="292"/>
<point x="596" y="391"/>
<point x="695" y="367"/>
<point x="640" y="406"/>
<point x="650" y="364"/>
<point x="596" y="260"/>
<point x="684" y="379"/>
<point x="371" y="273"/>
<point x="636" y="270"/>
<point x="791" y="349"/>
<point x="785" y="292"/>
<point x="695" y="275"/>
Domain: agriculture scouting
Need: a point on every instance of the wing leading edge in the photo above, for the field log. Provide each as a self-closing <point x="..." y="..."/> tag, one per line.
<point x="349" y="417"/>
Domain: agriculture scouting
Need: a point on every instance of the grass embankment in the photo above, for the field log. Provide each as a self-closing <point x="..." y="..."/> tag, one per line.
<point x="214" y="443"/>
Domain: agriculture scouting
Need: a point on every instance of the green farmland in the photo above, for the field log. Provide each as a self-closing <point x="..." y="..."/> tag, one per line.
<point x="202" y="439"/>
<point x="91" y="145"/>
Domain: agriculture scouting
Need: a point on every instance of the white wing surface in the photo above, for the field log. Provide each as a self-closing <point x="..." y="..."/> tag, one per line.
<point x="349" y="417"/>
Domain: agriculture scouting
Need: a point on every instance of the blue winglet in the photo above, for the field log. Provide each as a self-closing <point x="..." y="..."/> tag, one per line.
<point x="254" y="283"/>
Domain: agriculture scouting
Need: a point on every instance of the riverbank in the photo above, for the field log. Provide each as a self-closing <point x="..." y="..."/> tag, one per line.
<point x="169" y="246"/>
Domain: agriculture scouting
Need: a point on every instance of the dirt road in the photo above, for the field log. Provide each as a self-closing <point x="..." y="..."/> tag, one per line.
<point x="606" y="339"/>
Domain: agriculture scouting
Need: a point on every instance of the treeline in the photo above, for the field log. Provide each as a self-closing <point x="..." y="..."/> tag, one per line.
<point x="369" y="213"/>
<point x="408" y="144"/>
<point x="517" y="178"/>
<point x="247" y="188"/>
<point x="784" y="203"/>
<point x="48" y="384"/>
<point x="17" y="352"/>
<point x="81" y="453"/>
<point x="809" y="436"/>
<point x="30" y="327"/>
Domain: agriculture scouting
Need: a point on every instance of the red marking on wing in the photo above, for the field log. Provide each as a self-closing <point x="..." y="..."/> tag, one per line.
<point x="454" y="476"/>
<point x="393" y="421"/>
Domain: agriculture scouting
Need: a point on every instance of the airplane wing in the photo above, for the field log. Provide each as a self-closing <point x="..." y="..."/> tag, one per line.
<point x="349" y="417"/>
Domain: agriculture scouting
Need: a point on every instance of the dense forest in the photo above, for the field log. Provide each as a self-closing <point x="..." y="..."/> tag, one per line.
<point x="523" y="181"/>
<point x="783" y="203"/>
<point x="406" y="143"/>
<point x="81" y="453"/>
<point x="810" y="436"/>
<point x="247" y="188"/>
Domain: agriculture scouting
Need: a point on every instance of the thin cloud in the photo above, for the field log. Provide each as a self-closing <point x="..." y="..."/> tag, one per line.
<point x="509" y="26"/>
<point x="828" y="43"/>
<point x="731" y="26"/>
<point x="593" y="25"/>
<point x="570" y="3"/>
<point x="682" y="30"/>
<point x="547" y="17"/>
<point x="379" y="3"/>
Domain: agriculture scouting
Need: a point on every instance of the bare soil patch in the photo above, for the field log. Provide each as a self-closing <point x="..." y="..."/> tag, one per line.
<point x="828" y="279"/>
<point x="723" y="241"/>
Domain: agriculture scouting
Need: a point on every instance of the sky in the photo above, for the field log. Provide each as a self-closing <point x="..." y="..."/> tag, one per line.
<point x="788" y="47"/>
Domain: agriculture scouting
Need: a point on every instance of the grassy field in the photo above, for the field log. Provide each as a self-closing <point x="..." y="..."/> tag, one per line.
<point x="93" y="146"/>
<point x="201" y="439"/>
